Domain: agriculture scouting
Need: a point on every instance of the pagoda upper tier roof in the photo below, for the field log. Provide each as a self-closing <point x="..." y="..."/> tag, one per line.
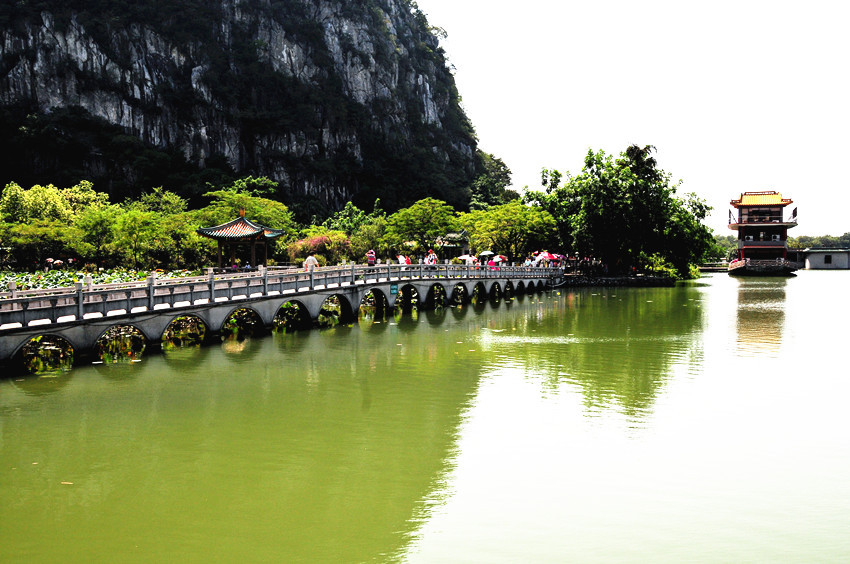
<point x="240" y="228"/>
<point x="767" y="198"/>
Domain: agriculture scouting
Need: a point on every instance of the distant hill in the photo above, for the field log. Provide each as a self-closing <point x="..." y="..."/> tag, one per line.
<point x="336" y="100"/>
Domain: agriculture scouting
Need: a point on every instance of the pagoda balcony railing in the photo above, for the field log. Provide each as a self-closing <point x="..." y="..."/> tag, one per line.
<point x="757" y="243"/>
<point x="761" y="219"/>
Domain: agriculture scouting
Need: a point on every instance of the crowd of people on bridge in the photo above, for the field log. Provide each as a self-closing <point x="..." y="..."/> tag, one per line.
<point x="487" y="259"/>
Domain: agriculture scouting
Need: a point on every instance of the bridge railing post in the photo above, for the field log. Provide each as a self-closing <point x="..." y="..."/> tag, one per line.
<point x="265" y="274"/>
<point x="13" y="289"/>
<point x="151" y="283"/>
<point x="212" y="286"/>
<point x="80" y="298"/>
<point x="353" y="275"/>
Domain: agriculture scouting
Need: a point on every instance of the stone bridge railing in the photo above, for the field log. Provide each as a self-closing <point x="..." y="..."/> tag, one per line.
<point x="26" y="308"/>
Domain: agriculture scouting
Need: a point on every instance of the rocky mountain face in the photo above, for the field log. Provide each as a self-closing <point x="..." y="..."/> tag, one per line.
<point x="334" y="99"/>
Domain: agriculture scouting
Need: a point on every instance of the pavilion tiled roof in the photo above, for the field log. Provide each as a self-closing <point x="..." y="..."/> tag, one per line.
<point x="767" y="198"/>
<point x="240" y="228"/>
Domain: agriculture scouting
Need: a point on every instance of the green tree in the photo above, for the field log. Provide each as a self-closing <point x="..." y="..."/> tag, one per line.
<point x="35" y="241"/>
<point x="370" y="235"/>
<point x="137" y="235"/>
<point x="347" y="220"/>
<point x="687" y="241"/>
<point x="422" y="223"/>
<point x="725" y="247"/>
<point x="13" y="204"/>
<point x="97" y="226"/>
<point x="625" y="211"/>
<point x="38" y="203"/>
<point x="259" y="186"/>
<point x="50" y="203"/>
<point x="514" y="229"/>
<point x="365" y="231"/>
<point x="43" y="220"/>
<point x="490" y="187"/>
<point x="242" y="195"/>
<point x="175" y="243"/>
<point x="350" y="218"/>
<point x="820" y="241"/>
<point x="83" y="196"/>
<point x="162" y="201"/>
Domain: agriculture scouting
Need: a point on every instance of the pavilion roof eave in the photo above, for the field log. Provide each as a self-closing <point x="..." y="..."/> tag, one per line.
<point x="240" y="229"/>
<point x="761" y="199"/>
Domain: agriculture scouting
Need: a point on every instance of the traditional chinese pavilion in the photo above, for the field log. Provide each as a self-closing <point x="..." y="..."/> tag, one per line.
<point x="762" y="233"/>
<point x="241" y="231"/>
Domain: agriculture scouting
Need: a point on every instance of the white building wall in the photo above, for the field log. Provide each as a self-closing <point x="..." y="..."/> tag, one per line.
<point x="816" y="260"/>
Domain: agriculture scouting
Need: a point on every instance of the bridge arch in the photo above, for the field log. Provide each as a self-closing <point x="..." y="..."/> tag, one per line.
<point x="479" y="293"/>
<point x="378" y="294"/>
<point x="374" y="304"/>
<point x="241" y="322"/>
<point x="124" y="324"/>
<point x="184" y="330"/>
<point x="123" y="341"/>
<point x="215" y="318"/>
<point x="47" y="351"/>
<point x="495" y="293"/>
<point x="408" y="298"/>
<point x="437" y="297"/>
<point x="460" y="294"/>
<point x="291" y="315"/>
<point x="342" y="310"/>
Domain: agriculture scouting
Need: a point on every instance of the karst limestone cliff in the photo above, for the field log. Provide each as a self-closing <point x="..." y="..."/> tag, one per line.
<point x="334" y="99"/>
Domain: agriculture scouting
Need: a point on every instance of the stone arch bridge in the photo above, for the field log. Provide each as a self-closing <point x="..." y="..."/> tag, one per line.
<point x="81" y="315"/>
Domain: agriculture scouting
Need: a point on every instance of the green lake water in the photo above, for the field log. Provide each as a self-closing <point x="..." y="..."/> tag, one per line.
<point x="703" y="423"/>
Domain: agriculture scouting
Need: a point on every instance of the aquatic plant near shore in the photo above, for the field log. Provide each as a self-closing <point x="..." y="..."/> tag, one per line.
<point x="67" y="278"/>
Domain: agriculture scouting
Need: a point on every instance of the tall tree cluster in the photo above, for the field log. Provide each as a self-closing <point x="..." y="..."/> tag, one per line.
<point x="155" y="231"/>
<point x="625" y="211"/>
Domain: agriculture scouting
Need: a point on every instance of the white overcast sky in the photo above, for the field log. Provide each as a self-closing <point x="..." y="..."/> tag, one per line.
<point x="736" y="96"/>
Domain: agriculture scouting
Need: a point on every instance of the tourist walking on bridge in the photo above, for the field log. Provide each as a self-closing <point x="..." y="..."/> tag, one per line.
<point x="431" y="258"/>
